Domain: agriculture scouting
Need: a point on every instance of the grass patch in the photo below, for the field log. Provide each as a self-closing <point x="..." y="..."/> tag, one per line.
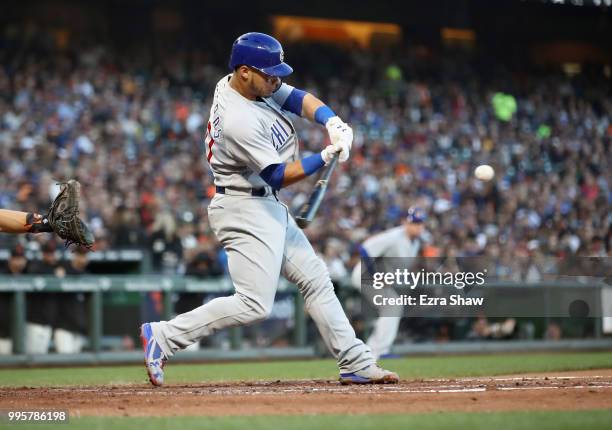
<point x="408" y="368"/>
<point x="580" y="420"/>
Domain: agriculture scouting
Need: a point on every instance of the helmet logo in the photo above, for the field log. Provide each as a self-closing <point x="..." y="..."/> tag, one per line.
<point x="282" y="56"/>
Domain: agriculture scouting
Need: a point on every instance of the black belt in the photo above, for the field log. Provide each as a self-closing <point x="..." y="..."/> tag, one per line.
<point x="255" y="192"/>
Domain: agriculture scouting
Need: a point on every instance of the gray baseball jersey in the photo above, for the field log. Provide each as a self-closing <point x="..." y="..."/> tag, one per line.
<point x="259" y="234"/>
<point x="392" y="243"/>
<point x="244" y="137"/>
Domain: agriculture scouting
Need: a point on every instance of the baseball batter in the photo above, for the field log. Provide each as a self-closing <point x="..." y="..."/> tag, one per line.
<point x="402" y="242"/>
<point x="252" y="149"/>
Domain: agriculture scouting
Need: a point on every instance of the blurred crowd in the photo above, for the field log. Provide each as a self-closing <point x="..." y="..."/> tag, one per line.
<point x="130" y="128"/>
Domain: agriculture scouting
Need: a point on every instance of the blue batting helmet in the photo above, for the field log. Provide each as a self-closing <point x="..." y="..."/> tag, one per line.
<point x="416" y="215"/>
<point x="261" y="52"/>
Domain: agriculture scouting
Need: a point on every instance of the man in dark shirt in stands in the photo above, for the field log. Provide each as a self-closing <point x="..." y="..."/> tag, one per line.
<point x="41" y="307"/>
<point x="16" y="265"/>
<point x="71" y="319"/>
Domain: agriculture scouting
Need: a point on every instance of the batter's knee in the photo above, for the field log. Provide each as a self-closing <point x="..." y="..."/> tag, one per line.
<point x="317" y="287"/>
<point x="312" y="278"/>
<point x="260" y="308"/>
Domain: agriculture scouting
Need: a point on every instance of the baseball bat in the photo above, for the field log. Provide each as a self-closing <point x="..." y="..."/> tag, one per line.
<point x="310" y="208"/>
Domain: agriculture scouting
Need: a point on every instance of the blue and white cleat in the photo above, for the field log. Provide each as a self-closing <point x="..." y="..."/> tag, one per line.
<point x="154" y="358"/>
<point x="373" y="374"/>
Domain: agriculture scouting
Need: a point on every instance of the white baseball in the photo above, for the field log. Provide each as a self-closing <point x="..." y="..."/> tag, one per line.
<point x="484" y="172"/>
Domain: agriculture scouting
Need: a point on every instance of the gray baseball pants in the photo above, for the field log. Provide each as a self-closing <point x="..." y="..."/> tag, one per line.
<point x="262" y="242"/>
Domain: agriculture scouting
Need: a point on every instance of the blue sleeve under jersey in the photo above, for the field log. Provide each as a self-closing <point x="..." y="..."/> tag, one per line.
<point x="274" y="175"/>
<point x="294" y="101"/>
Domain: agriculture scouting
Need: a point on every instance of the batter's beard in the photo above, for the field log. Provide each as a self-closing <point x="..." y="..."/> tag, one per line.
<point x="273" y="90"/>
<point x="266" y="94"/>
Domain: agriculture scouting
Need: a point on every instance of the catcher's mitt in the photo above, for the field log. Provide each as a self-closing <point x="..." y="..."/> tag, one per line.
<point x="64" y="218"/>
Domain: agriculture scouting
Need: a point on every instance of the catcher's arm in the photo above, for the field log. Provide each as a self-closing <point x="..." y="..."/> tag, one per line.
<point x="22" y="222"/>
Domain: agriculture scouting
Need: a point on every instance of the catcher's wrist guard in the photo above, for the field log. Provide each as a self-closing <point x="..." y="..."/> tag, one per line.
<point x="38" y="223"/>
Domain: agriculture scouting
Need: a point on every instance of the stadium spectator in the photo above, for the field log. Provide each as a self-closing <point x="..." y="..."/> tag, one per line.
<point x="70" y="326"/>
<point x="16" y="265"/>
<point x="42" y="307"/>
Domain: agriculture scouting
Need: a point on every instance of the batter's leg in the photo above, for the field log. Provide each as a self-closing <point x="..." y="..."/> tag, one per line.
<point x="252" y="231"/>
<point x="22" y="222"/>
<point x="302" y="267"/>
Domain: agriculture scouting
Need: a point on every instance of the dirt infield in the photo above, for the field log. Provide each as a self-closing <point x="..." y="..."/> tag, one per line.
<point x="556" y="391"/>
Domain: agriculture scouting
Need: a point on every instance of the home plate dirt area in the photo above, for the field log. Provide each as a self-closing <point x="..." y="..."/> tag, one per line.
<point x="565" y="391"/>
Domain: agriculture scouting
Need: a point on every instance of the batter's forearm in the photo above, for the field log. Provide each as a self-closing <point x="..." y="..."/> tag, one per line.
<point x="298" y="170"/>
<point x="310" y="106"/>
<point x="294" y="172"/>
<point x="282" y="175"/>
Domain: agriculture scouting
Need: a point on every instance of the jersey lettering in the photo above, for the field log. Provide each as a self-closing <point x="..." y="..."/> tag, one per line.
<point x="279" y="134"/>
